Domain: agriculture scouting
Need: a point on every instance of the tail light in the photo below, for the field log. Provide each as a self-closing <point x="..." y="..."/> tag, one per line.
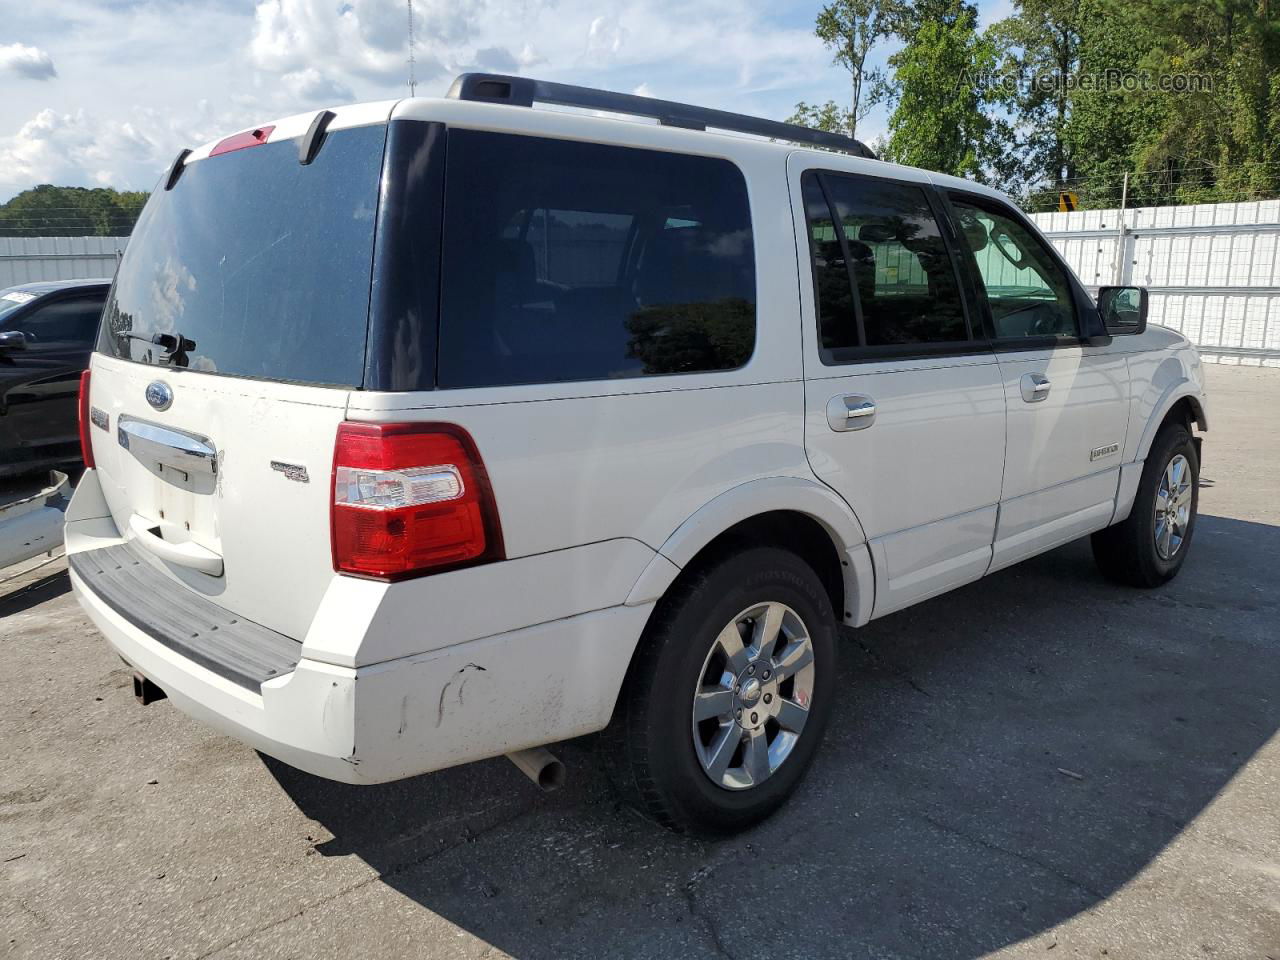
<point x="410" y="499"/>
<point x="86" y="447"/>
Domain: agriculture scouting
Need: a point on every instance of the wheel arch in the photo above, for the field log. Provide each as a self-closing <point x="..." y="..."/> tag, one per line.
<point x="1181" y="402"/>
<point x="802" y="515"/>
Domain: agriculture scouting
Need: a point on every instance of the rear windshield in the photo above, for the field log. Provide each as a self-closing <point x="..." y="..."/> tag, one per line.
<point x="263" y="263"/>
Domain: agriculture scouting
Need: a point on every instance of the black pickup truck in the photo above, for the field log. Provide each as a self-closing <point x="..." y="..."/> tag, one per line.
<point x="47" y="330"/>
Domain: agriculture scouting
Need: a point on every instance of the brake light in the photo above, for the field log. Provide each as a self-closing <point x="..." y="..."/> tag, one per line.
<point x="238" y="141"/>
<point x="410" y="499"/>
<point x="86" y="447"/>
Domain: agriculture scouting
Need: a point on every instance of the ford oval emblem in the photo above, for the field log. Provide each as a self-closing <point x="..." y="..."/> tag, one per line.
<point x="159" y="395"/>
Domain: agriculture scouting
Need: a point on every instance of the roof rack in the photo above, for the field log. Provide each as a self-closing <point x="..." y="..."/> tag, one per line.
<point x="524" y="91"/>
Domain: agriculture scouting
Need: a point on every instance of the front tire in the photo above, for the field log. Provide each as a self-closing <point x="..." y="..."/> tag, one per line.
<point x="728" y="694"/>
<point x="1149" y="547"/>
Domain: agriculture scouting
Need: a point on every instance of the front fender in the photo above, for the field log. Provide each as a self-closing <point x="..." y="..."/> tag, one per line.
<point x="1173" y="392"/>
<point x="752" y="499"/>
<point x="1169" y="386"/>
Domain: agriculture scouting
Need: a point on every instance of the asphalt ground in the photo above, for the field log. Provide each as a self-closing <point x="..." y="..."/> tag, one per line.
<point x="1038" y="762"/>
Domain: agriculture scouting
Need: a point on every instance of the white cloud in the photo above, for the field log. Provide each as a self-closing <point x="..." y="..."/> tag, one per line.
<point x="310" y="86"/>
<point x="529" y="57"/>
<point x="605" y="37"/>
<point x="30" y="62"/>
<point x="366" y="38"/>
<point x="497" y="60"/>
<point x="138" y="81"/>
<point x="75" y="148"/>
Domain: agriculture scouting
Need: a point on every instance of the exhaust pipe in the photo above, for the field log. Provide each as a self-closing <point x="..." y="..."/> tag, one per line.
<point x="145" y="691"/>
<point x="540" y="766"/>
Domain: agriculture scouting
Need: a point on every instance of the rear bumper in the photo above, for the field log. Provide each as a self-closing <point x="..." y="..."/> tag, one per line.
<point x="304" y="718"/>
<point x="397" y="719"/>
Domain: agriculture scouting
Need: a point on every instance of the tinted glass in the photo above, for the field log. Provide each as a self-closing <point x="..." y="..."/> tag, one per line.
<point x="263" y="262"/>
<point x="1026" y="289"/>
<point x="571" y="261"/>
<point x="64" y="321"/>
<point x="837" y="312"/>
<point x="574" y="248"/>
<point x="905" y="284"/>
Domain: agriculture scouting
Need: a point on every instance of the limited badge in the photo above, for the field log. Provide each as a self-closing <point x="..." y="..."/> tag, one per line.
<point x="1097" y="453"/>
<point x="293" y="471"/>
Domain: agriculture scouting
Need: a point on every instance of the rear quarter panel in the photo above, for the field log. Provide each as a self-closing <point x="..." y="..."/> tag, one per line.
<point x="586" y="462"/>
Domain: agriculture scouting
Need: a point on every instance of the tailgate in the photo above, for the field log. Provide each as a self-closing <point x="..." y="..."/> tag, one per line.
<point x="233" y="334"/>
<point x="228" y="487"/>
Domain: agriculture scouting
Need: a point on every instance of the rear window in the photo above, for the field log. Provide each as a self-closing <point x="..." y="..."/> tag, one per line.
<point x="884" y="237"/>
<point x="260" y="261"/>
<point x="571" y="261"/>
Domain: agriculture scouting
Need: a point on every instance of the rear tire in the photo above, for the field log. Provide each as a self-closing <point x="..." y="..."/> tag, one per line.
<point x="1149" y="547"/>
<point x="727" y="696"/>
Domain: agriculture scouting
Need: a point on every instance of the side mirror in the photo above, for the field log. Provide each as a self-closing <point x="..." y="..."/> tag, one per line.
<point x="12" y="340"/>
<point x="1123" y="309"/>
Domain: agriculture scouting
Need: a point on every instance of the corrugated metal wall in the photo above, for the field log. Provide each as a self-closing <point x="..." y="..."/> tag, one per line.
<point x="23" y="259"/>
<point x="1213" y="269"/>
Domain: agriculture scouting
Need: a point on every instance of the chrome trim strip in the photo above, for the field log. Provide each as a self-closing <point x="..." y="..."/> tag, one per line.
<point x="151" y="441"/>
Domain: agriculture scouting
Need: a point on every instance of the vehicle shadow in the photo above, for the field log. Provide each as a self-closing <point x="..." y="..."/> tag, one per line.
<point x="999" y="760"/>
<point x="34" y="593"/>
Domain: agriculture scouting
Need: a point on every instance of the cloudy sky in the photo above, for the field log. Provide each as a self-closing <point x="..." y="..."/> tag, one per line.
<point x="105" y="93"/>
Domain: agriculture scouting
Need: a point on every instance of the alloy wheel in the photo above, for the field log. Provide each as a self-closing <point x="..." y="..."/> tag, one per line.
<point x="1173" y="507"/>
<point x="753" y="696"/>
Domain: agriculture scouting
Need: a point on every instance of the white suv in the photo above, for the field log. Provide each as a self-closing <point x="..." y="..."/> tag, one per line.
<point x="435" y="430"/>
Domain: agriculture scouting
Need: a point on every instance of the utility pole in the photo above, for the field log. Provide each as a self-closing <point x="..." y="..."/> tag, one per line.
<point x="1122" y="239"/>
<point x="413" y="81"/>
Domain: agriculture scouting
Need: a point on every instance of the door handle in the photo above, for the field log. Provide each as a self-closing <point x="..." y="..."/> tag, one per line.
<point x="850" y="412"/>
<point x="151" y="442"/>
<point x="1035" y="387"/>
<point x="188" y="554"/>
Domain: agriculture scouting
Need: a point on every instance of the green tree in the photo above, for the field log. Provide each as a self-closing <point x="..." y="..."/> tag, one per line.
<point x="1222" y="141"/>
<point x="1214" y="138"/>
<point x="829" y="116"/>
<point x="943" y="117"/>
<point x="850" y="29"/>
<point x="1041" y="45"/>
<point x="1105" y="122"/>
<point x="49" y="211"/>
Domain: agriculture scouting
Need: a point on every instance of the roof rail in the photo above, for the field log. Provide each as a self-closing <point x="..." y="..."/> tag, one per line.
<point x="524" y="91"/>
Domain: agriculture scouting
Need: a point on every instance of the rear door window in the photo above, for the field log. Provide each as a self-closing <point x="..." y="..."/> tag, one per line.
<point x="572" y="261"/>
<point x="885" y="281"/>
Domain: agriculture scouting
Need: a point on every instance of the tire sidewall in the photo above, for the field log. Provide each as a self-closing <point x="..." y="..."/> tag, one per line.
<point x="754" y="576"/>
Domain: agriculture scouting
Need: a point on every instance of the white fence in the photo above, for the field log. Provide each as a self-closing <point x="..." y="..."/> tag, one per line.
<point x="1213" y="269"/>
<point x="23" y="259"/>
